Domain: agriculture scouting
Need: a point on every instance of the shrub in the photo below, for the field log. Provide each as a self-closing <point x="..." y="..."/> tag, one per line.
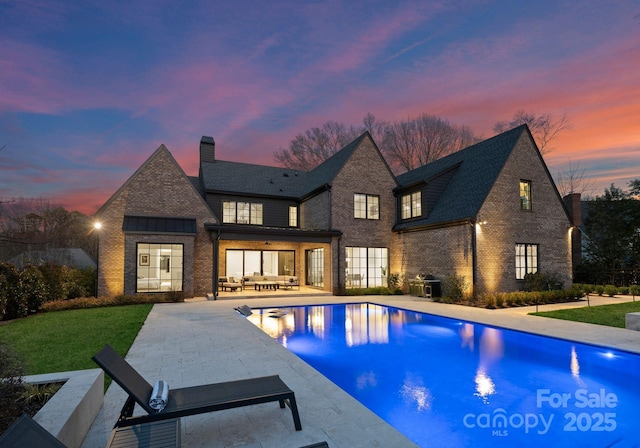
<point x="395" y="281"/>
<point x="11" y="372"/>
<point x="509" y="299"/>
<point x="634" y="290"/>
<point x="624" y="290"/>
<point x="577" y="292"/>
<point x="375" y="291"/>
<point x="599" y="289"/>
<point x="454" y="287"/>
<point x="56" y="281"/>
<point x="80" y="283"/>
<point x="499" y="299"/>
<point x="541" y="281"/>
<point x="489" y="301"/>
<point x="520" y="298"/>
<point x="12" y="303"/>
<point x="610" y="290"/>
<point x="34" y="290"/>
<point x="40" y="393"/>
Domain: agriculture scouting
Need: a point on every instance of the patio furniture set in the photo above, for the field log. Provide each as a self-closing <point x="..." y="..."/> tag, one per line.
<point x="259" y="282"/>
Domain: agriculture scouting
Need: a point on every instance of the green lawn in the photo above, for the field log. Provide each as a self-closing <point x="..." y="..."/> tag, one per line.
<point x="610" y="315"/>
<point x="65" y="340"/>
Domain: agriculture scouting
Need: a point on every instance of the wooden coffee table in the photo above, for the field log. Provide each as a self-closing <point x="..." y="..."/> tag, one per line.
<point x="266" y="285"/>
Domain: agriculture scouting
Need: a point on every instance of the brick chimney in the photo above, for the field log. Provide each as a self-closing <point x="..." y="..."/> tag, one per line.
<point x="572" y="202"/>
<point x="207" y="149"/>
<point x="574" y="207"/>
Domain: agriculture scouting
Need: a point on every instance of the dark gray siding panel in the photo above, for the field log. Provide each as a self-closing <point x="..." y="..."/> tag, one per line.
<point x="275" y="212"/>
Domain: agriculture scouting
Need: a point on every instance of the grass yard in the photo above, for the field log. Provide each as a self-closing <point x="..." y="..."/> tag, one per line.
<point x="66" y="340"/>
<point x="610" y="315"/>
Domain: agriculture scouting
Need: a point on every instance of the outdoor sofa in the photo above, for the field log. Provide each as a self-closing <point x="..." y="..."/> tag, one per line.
<point x="283" y="281"/>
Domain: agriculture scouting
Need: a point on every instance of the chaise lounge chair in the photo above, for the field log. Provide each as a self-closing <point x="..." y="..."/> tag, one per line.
<point x="191" y="400"/>
<point x="27" y="432"/>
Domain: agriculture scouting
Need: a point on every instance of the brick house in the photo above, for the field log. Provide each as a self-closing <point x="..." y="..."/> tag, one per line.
<point x="490" y="213"/>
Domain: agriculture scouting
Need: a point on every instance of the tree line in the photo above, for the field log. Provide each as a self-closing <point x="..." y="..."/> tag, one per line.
<point x="409" y="143"/>
<point x="611" y="237"/>
<point x="37" y="225"/>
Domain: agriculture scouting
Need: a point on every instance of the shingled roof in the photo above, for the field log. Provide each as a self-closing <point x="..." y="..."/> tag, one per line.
<point x="244" y="178"/>
<point x="475" y="170"/>
<point x="324" y="173"/>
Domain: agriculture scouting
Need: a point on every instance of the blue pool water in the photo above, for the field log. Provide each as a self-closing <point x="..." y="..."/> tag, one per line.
<point x="450" y="383"/>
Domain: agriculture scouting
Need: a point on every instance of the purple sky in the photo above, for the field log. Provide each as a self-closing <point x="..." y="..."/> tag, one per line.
<point x="89" y="89"/>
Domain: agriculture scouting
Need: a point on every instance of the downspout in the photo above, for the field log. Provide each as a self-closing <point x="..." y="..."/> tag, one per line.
<point x="330" y="209"/>
<point x="339" y="286"/>
<point x="216" y="262"/>
<point x="474" y="256"/>
<point x="334" y="287"/>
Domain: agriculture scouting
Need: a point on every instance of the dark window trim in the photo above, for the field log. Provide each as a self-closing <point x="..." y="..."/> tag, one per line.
<point x="526" y="258"/>
<point x="410" y="195"/>
<point x="250" y="215"/>
<point x="158" y="244"/>
<point x="366" y="206"/>
<point x="530" y="183"/>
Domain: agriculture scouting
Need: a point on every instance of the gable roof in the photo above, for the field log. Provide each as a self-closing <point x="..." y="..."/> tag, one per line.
<point x="476" y="169"/>
<point x="324" y="173"/>
<point x="162" y="150"/>
<point x="261" y="180"/>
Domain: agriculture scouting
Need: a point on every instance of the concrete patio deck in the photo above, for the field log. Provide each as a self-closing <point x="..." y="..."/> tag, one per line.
<point x="201" y="342"/>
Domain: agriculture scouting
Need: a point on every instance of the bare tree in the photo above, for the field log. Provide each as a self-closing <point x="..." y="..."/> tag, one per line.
<point x="314" y="146"/>
<point x="544" y="127"/>
<point x="405" y="144"/>
<point x="574" y="180"/>
<point x="411" y="143"/>
<point x="34" y="224"/>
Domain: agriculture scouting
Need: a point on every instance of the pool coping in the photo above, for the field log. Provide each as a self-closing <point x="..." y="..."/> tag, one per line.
<point x="174" y="335"/>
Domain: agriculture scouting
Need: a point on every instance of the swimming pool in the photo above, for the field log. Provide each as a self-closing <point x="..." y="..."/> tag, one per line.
<point x="449" y="383"/>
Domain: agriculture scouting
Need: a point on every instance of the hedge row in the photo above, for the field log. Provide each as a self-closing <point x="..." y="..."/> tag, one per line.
<point x="25" y="291"/>
<point x="524" y="298"/>
<point x="609" y="290"/>
<point x="92" y="302"/>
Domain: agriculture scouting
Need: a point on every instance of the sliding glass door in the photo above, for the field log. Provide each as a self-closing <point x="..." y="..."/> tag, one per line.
<point x="242" y="262"/>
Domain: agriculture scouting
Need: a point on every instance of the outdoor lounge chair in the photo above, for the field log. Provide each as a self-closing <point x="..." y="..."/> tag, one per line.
<point x="27" y="432"/>
<point x="191" y="400"/>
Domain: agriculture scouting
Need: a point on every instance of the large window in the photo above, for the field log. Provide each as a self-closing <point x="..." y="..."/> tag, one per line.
<point x="242" y="213"/>
<point x="366" y="267"/>
<point x="366" y="206"/>
<point x="525" y="195"/>
<point x="159" y="267"/>
<point x="526" y="260"/>
<point x="411" y="205"/>
<point x="293" y="216"/>
<point x="315" y="267"/>
<point x="259" y="262"/>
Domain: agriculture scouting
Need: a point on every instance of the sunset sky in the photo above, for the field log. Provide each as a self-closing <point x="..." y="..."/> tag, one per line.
<point x="89" y="89"/>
